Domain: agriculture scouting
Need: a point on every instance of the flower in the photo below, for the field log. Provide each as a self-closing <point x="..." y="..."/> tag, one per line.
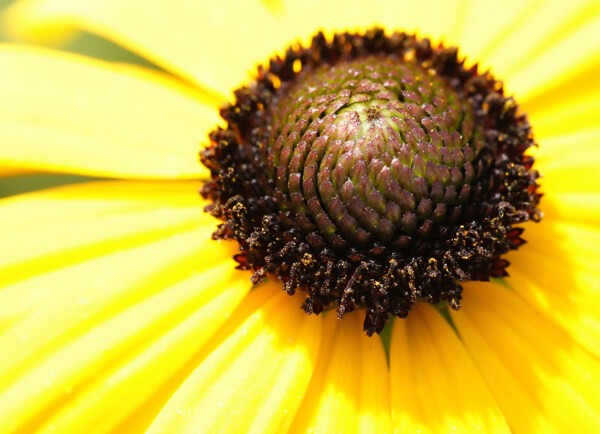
<point x="119" y="314"/>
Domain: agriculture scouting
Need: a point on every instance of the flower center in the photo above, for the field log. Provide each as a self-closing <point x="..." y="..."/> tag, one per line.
<point x="372" y="171"/>
<point x="375" y="149"/>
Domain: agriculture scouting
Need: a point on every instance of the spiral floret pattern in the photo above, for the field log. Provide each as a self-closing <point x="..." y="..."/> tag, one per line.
<point x="374" y="150"/>
<point x="372" y="171"/>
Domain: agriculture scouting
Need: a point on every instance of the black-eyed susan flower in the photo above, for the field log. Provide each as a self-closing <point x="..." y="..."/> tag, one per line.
<point x="368" y="173"/>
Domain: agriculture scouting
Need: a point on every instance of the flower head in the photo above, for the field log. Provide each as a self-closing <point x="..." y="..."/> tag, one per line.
<point x="119" y="313"/>
<point x="372" y="171"/>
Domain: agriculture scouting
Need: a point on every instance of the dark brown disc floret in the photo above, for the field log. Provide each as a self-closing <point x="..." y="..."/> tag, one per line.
<point x="372" y="171"/>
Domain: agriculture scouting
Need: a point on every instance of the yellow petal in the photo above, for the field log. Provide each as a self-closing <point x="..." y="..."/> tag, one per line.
<point x="53" y="237"/>
<point x="65" y="112"/>
<point x="139" y="287"/>
<point x="573" y="47"/>
<point x="436" y="387"/>
<point x="486" y="24"/>
<point x="146" y="375"/>
<point x="255" y="380"/>
<point x="349" y="391"/>
<point x="542" y="379"/>
<point x="77" y="353"/>
<point x="581" y="208"/>
<point x="565" y="285"/>
<point x="71" y="224"/>
<point x="144" y="415"/>
<point x="547" y="42"/>
<point x="572" y="107"/>
<point x="569" y="163"/>
<point x="217" y="43"/>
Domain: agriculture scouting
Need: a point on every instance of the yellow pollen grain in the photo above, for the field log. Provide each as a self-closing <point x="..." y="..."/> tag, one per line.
<point x="297" y="66"/>
<point x="275" y="80"/>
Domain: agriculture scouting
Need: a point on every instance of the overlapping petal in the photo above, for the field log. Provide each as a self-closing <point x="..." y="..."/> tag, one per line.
<point x="254" y="381"/>
<point x="63" y="112"/>
<point x="485" y="25"/>
<point x="569" y="162"/>
<point x="542" y="380"/>
<point x="566" y="284"/>
<point x="109" y="289"/>
<point x="435" y="385"/>
<point x="545" y="43"/>
<point x="212" y="31"/>
<point x="567" y="109"/>
<point x="571" y="49"/>
<point x="349" y="391"/>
